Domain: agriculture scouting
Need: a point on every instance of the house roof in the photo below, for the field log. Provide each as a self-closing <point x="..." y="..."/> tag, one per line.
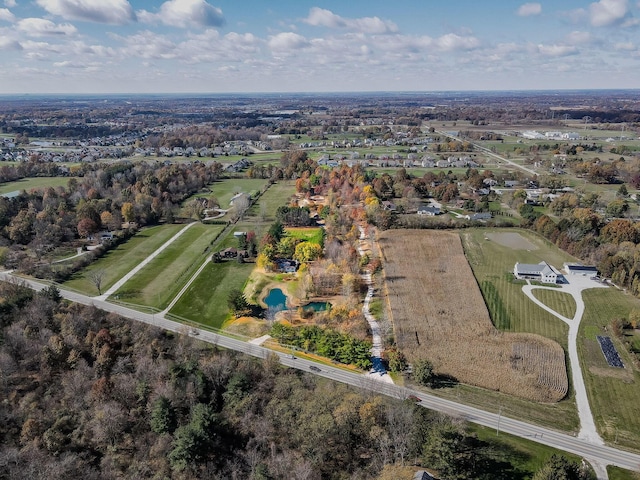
<point x="541" y="268"/>
<point x="581" y="268"/>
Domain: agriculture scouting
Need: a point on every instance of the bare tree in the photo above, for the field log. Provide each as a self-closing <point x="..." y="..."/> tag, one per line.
<point x="96" y="277"/>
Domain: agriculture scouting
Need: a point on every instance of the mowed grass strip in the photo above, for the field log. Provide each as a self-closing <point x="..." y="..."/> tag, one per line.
<point x="205" y="301"/>
<point x="118" y="262"/>
<point x="613" y="392"/>
<point x="616" y="473"/>
<point x="492" y="264"/>
<point x="162" y="278"/>
<point x="561" y="302"/>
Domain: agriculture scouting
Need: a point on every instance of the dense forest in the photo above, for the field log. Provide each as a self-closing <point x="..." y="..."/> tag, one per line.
<point x="87" y="394"/>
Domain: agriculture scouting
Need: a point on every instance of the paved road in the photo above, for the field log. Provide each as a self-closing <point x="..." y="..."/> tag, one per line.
<point x="485" y="150"/>
<point x="599" y="454"/>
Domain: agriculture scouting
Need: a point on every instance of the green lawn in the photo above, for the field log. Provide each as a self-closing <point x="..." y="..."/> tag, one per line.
<point x="313" y="235"/>
<point x="205" y="301"/>
<point x="162" y="278"/>
<point x="118" y="262"/>
<point x="33" y="183"/>
<point x="613" y="392"/>
<point x="561" y="302"/>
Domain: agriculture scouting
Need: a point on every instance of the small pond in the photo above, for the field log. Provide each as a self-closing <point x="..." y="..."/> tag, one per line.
<point x="317" y="306"/>
<point x="276" y="300"/>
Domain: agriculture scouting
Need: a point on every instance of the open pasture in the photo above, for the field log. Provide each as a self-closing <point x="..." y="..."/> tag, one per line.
<point x="439" y="314"/>
<point x="118" y="262"/>
<point x="160" y="280"/>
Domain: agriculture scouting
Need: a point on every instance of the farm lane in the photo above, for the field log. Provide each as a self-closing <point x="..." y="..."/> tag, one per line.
<point x="574" y="287"/>
<point x="378" y="368"/>
<point x="597" y="454"/>
<point x="116" y="286"/>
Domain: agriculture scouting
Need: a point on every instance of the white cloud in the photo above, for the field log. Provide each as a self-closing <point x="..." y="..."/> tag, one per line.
<point x="7" y="43"/>
<point x="10" y="3"/>
<point x="39" y="27"/>
<point x="529" y="9"/>
<point x="608" y="12"/>
<point x="557" y="50"/>
<point x="320" y="17"/>
<point x="185" y="14"/>
<point x="148" y="45"/>
<point x="6" y="15"/>
<point x="451" y="41"/>
<point x="115" y="12"/>
<point x="625" y="46"/>
<point x="287" y="41"/>
<point x="578" y="38"/>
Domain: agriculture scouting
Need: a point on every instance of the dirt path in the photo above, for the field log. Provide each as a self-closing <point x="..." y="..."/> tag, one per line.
<point x="378" y="369"/>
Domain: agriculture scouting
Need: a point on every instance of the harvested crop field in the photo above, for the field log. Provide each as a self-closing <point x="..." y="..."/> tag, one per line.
<point x="439" y="314"/>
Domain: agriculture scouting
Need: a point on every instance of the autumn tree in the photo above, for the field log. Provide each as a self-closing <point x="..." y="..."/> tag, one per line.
<point x="127" y="211"/>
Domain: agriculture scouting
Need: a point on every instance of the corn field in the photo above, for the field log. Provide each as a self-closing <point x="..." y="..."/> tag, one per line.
<point x="439" y="314"/>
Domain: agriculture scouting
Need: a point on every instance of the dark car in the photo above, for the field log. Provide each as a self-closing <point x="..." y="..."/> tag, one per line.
<point x="314" y="368"/>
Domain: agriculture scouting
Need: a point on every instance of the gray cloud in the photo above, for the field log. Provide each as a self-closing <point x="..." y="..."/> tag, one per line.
<point x="39" y="27"/>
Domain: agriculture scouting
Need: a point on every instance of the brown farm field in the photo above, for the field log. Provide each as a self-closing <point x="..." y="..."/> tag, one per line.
<point x="439" y="314"/>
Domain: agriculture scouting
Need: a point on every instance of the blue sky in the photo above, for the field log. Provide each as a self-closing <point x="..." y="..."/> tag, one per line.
<point x="215" y="46"/>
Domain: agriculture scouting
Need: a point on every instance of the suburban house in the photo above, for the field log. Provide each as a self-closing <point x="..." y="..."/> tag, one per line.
<point x="577" y="269"/>
<point x="541" y="272"/>
<point x="429" y="210"/>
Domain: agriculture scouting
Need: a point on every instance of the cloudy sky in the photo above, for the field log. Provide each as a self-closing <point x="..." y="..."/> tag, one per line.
<point x="215" y="46"/>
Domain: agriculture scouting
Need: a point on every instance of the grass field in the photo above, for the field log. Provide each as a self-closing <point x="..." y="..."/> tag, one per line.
<point x="28" y="184"/>
<point x="423" y="269"/>
<point x="313" y="235"/>
<point x="206" y="299"/>
<point x="162" y="278"/>
<point x="613" y="392"/>
<point x="561" y="302"/>
<point x="118" y="262"/>
<point x="224" y="190"/>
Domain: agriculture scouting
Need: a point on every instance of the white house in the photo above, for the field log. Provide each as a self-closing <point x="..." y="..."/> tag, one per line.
<point x="541" y="272"/>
